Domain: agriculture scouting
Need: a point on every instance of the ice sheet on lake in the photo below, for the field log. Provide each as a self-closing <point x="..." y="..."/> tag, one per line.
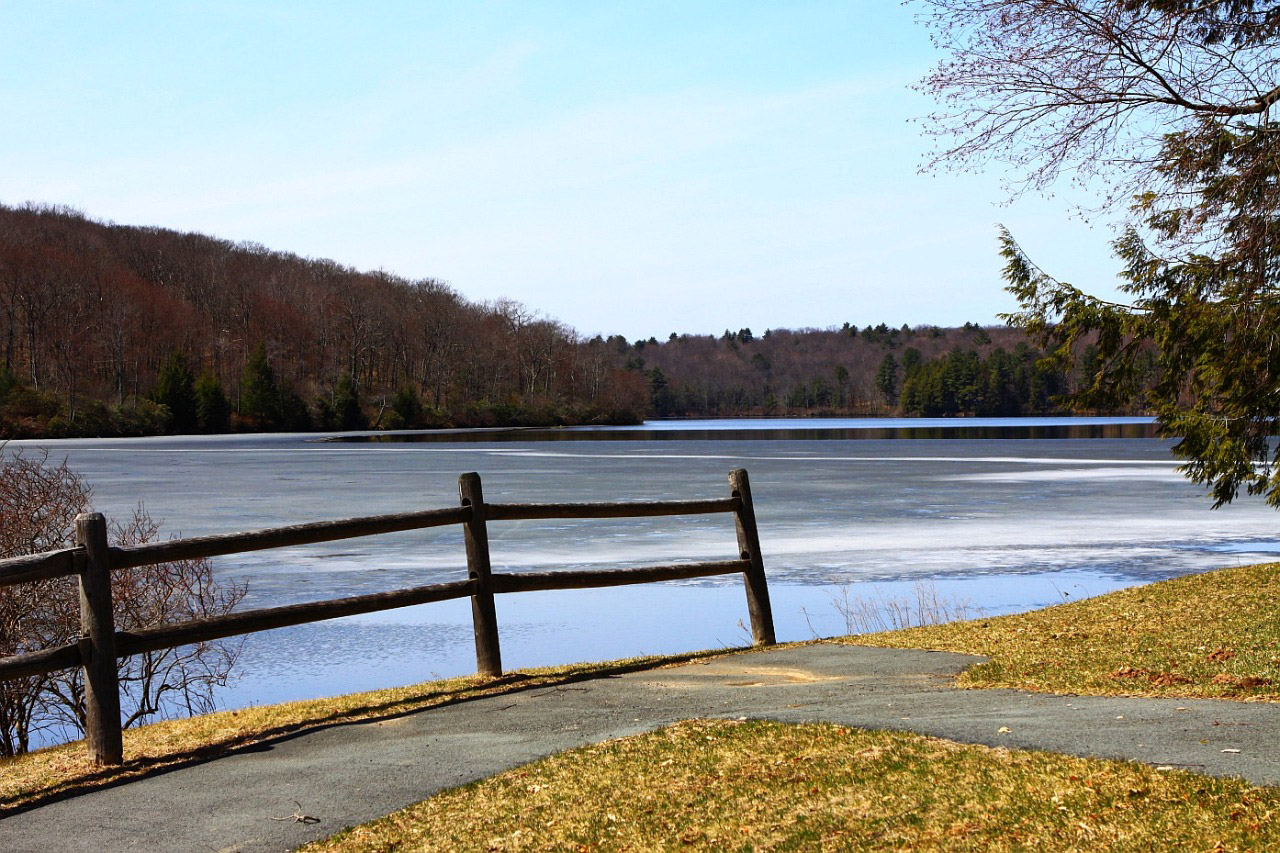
<point x="1002" y="520"/>
<point x="1143" y="472"/>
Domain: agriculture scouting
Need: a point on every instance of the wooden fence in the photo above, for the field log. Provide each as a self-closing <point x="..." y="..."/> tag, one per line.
<point x="100" y="645"/>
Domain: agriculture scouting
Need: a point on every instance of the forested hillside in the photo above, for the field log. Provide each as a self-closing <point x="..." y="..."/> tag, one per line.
<point x="122" y="330"/>
<point x="91" y="314"/>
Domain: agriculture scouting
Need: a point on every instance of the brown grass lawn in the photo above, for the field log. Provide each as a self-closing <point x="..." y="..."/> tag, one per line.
<point x="770" y="786"/>
<point x="1213" y="635"/>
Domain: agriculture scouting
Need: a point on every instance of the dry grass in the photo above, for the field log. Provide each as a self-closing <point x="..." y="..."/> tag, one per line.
<point x="1209" y="635"/>
<point x="771" y="786"/>
<point x="50" y="773"/>
<point x="768" y="786"/>
<point x="880" y="612"/>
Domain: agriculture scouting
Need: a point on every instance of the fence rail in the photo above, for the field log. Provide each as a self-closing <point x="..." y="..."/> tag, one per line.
<point x="39" y="567"/>
<point x="100" y="645"/>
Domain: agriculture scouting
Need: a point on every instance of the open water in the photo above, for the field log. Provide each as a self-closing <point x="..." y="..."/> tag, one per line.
<point x="1005" y="515"/>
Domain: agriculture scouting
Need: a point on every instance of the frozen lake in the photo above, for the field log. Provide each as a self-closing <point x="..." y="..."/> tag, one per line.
<point x="1006" y="523"/>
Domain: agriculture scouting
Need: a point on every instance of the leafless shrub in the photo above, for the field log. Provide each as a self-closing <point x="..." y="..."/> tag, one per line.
<point x="38" y="505"/>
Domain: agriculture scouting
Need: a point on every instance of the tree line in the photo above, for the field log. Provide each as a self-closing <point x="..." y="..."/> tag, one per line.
<point x="876" y="370"/>
<point x="120" y="330"/>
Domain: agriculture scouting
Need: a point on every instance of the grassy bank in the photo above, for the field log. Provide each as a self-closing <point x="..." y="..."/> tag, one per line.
<point x="65" y="769"/>
<point x="766" y="786"/>
<point x="772" y="786"/>
<point x="769" y="786"/>
<point x="1215" y="635"/>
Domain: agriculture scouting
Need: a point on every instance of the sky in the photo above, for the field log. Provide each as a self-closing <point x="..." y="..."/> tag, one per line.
<point x="625" y="168"/>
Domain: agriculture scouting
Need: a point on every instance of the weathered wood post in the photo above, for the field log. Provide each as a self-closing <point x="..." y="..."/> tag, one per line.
<point x="484" y="615"/>
<point x="98" y="643"/>
<point x="749" y="547"/>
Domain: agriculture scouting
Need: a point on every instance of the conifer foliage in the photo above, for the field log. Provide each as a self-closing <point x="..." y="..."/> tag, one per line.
<point x="176" y="391"/>
<point x="1169" y="103"/>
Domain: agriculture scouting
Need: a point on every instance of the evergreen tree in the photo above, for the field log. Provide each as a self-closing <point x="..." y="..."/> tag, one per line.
<point x="175" y="390"/>
<point x="1174" y="103"/>
<point x="998" y="393"/>
<point x="660" y="398"/>
<point x="213" y="410"/>
<point x="842" y="385"/>
<point x="960" y="382"/>
<point x="259" y="392"/>
<point x="346" y="404"/>
<point x="7" y="382"/>
<point x="910" y="360"/>
<point x="887" y="378"/>
<point x="294" y="416"/>
<point x="408" y="406"/>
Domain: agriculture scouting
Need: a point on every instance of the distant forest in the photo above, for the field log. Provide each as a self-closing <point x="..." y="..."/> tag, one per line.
<point x="122" y="330"/>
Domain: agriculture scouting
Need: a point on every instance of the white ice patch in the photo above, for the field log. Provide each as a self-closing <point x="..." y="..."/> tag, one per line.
<point x="848" y="459"/>
<point x="1150" y="472"/>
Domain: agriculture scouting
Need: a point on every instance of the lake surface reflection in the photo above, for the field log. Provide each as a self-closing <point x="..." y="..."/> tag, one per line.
<point x="1007" y="521"/>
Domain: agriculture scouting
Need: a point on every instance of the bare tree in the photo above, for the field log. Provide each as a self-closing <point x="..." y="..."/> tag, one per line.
<point x="1093" y="87"/>
<point x="38" y="505"/>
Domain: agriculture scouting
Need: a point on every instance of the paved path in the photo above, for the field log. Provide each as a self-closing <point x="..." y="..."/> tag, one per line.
<point x="348" y="774"/>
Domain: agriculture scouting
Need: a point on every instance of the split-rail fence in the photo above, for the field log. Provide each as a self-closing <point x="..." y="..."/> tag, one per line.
<point x="100" y="645"/>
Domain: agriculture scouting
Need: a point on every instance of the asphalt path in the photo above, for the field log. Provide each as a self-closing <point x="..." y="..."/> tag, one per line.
<point x="282" y="793"/>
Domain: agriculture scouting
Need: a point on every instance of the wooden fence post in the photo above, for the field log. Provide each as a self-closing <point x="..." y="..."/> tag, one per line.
<point x="98" y="643"/>
<point x="484" y="616"/>
<point x="749" y="547"/>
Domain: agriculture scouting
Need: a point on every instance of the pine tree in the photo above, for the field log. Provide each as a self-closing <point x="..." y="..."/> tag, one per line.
<point x="259" y="392"/>
<point x="175" y="389"/>
<point x="408" y="406"/>
<point x="887" y="378"/>
<point x="1171" y="102"/>
<point x="346" y="404"/>
<point x="213" y="410"/>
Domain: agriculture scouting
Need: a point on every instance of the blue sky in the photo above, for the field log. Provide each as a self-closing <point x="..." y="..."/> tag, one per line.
<point x="638" y="168"/>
